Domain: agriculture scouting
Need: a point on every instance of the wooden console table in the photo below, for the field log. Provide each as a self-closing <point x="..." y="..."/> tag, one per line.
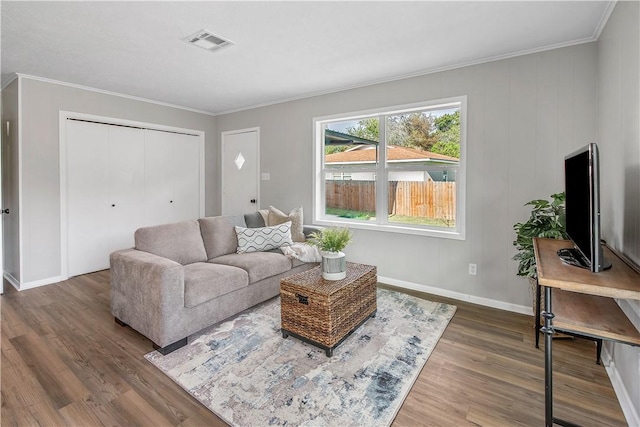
<point x="583" y="305"/>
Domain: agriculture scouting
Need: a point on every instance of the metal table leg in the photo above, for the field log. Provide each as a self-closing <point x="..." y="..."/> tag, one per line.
<point x="548" y="331"/>
<point x="537" y="314"/>
<point x="548" y="360"/>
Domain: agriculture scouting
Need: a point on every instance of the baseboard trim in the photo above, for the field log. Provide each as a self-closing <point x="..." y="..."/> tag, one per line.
<point x="30" y="285"/>
<point x="12" y="280"/>
<point x="487" y="302"/>
<point x="626" y="403"/>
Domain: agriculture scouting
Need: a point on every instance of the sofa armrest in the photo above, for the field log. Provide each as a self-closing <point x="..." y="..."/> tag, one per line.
<point x="147" y="292"/>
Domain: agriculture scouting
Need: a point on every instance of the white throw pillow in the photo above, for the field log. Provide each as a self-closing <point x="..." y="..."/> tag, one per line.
<point x="295" y="216"/>
<point x="263" y="238"/>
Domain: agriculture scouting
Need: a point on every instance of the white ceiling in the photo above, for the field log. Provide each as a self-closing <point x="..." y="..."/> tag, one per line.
<point x="283" y="50"/>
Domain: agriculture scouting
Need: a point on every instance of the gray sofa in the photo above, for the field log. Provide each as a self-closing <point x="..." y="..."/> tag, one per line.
<point x="183" y="277"/>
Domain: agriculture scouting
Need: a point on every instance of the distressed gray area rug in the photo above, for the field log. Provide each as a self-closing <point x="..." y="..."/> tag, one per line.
<point x="247" y="374"/>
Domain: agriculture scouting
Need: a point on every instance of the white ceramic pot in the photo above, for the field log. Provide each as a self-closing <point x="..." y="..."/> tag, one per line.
<point x="334" y="265"/>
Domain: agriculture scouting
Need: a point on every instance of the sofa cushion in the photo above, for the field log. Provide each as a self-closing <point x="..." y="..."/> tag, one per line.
<point x="294" y="261"/>
<point x="219" y="234"/>
<point x="263" y="238"/>
<point x="204" y="281"/>
<point x="180" y="241"/>
<point x="295" y="216"/>
<point x="259" y="265"/>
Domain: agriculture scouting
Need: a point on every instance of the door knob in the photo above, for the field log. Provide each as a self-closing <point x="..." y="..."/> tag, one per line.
<point x="5" y="211"/>
<point x="252" y="200"/>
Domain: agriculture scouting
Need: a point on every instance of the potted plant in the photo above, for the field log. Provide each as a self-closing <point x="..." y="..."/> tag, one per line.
<point x="547" y="219"/>
<point x="330" y="242"/>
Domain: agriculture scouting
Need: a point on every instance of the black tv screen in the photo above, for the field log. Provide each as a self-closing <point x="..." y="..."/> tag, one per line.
<point x="582" y="205"/>
<point x="578" y="191"/>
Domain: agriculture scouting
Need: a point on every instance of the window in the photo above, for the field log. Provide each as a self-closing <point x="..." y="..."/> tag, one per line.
<point x="395" y="169"/>
<point x="341" y="176"/>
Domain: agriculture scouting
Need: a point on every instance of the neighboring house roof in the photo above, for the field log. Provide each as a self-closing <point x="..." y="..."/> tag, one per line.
<point x="333" y="137"/>
<point x="367" y="154"/>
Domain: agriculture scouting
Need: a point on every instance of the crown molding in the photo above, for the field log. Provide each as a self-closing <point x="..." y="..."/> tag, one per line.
<point x="107" y="92"/>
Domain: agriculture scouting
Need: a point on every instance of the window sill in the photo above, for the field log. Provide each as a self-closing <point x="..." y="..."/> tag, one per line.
<point x="392" y="228"/>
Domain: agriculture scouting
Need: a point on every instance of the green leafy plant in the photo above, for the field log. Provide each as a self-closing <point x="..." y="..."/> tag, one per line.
<point x="547" y="220"/>
<point x="331" y="239"/>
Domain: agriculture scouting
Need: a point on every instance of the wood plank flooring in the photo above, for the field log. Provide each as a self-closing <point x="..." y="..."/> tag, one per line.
<point x="65" y="362"/>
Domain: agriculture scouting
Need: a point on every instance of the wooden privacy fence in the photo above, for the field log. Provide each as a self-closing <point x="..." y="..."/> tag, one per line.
<point x="430" y="199"/>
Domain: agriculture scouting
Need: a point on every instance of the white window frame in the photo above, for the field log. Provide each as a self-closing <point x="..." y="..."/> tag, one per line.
<point x="381" y="171"/>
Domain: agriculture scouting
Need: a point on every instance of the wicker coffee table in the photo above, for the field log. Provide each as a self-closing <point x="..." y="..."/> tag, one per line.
<point x="325" y="312"/>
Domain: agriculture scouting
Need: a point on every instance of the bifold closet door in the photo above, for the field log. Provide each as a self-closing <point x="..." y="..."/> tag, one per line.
<point x="172" y="177"/>
<point x="186" y="181"/>
<point x="126" y="185"/>
<point x="87" y="197"/>
<point x="105" y="192"/>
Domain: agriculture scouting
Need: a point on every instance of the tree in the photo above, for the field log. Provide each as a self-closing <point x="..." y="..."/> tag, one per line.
<point x="450" y="149"/>
<point x="446" y="121"/>
<point x="331" y="149"/>
<point x="448" y="135"/>
<point x="418" y="130"/>
<point x="366" y="128"/>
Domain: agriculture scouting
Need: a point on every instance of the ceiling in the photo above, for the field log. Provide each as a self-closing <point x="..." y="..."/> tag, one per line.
<point x="281" y="51"/>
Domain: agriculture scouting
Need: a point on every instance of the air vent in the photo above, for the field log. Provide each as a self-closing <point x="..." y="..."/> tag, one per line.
<point x="206" y="40"/>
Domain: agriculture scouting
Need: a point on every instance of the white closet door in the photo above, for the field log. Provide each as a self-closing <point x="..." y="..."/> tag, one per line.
<point x="186" y="182"/>
<point x="120" y="179"/>
<point x="172" y="177"/>
<point x="87" y="197"/>
<point x="126" y="185"/>
<point x="158" y="176"/>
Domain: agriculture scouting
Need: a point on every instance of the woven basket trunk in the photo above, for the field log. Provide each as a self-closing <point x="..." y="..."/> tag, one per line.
<point x="326" y="311"/>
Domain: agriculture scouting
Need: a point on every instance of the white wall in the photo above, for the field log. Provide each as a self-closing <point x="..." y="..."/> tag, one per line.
<point x="619" y="143"/>
<point x="524" y="115"/>
<point x="40" y="196"/>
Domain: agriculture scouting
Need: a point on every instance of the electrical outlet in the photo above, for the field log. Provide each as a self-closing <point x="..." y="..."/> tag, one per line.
<point x="473" y="269"/>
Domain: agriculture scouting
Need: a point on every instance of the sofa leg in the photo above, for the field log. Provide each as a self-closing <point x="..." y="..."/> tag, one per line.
<point x="120" y="322"/>
<point x="171" y="347"/>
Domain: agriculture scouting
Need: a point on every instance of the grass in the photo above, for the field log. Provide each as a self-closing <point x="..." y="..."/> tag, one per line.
<point x="397" y="219"/>
<point x="345" y="213"/>
<point x="417" y="220"/>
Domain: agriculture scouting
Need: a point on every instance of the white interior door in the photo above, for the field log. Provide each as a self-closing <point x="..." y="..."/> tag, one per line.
<point x="158" y="170"/>
<point x="4" y="140"/>
<point x="126" y="185"/>
<point x="186" y="183"/>
<point x="87" y="197"/>
<point x="118" y="178"/>
<point x="240" y="171"/>
<point x="172" y="177"/>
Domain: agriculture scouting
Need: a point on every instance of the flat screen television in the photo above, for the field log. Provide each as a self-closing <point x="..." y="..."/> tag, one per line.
<point x="582" y="205"/>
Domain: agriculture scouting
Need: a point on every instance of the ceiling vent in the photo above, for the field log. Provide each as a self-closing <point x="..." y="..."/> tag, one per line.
<point x="206" y="40"/>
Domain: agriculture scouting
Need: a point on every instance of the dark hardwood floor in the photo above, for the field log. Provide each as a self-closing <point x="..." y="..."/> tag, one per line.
<point x="66" y="362"/>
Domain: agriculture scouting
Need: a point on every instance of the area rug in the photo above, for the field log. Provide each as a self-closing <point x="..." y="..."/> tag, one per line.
<point x="247" y="374"/>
